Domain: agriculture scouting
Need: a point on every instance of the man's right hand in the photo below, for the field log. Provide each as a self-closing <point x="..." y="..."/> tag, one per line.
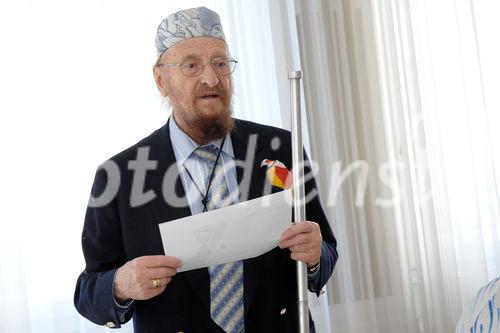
<point x="134" y="280"/>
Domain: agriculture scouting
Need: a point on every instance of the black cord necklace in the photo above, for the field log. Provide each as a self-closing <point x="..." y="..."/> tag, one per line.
<point x="204" y="198"/>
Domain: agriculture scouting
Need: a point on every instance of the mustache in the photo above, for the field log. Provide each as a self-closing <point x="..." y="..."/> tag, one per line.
<point x="200" y="92"/>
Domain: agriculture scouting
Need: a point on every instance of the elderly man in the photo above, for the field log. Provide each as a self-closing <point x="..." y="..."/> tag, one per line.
<point x="127" y="273"/>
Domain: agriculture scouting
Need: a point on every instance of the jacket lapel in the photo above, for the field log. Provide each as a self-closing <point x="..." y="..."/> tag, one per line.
<point x="162" y="151"/>
<point x="251" y="184"/>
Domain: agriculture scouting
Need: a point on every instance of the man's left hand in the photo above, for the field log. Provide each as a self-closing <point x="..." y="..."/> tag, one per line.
<point x="304" y="240"/>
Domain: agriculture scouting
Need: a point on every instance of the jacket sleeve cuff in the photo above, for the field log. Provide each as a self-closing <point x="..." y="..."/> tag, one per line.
<point x="95" y="301"/>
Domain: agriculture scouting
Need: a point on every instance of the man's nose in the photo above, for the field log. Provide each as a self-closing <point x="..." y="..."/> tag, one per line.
<point x="208" y="76"/>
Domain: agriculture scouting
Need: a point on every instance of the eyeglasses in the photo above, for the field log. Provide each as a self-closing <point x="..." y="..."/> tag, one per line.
<point x="221" y="66"/>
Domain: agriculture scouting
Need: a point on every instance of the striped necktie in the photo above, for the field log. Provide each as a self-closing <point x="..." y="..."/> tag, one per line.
<point x="226" y="280"/>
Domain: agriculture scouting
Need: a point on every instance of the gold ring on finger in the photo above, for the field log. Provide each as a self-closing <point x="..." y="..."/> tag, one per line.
<point x="156" y="283"/>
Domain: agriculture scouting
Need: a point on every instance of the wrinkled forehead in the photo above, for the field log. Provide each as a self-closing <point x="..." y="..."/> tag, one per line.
<point x="196" y="48"/>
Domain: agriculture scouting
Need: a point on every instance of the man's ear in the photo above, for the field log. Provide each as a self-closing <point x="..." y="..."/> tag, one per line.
<point x="160" y="81"/>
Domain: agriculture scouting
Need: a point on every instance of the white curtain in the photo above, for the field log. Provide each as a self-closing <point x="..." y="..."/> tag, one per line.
<point x="402" y="95"/>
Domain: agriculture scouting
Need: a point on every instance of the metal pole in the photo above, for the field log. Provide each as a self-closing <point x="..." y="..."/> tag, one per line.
<point x="298" y="193"/>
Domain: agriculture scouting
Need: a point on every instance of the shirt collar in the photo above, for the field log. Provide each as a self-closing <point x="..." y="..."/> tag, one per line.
<point x="184" y="145"/>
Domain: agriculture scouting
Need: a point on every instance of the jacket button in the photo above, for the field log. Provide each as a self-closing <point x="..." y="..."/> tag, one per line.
<point x="110" y="324"/>
<point x="282" y="312"/>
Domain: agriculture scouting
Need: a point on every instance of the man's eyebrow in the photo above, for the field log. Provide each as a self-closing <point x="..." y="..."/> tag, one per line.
<point x="197" y="57"/>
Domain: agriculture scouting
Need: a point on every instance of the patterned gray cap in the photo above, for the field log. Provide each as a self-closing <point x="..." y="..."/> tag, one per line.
<point x="187" y="23"/>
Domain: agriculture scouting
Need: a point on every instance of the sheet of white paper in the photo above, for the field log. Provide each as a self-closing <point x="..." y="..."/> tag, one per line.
<point x="236" y="232"/>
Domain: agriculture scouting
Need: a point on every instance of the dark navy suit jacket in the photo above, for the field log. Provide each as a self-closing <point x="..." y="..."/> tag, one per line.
<point x="116" y="233"/>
